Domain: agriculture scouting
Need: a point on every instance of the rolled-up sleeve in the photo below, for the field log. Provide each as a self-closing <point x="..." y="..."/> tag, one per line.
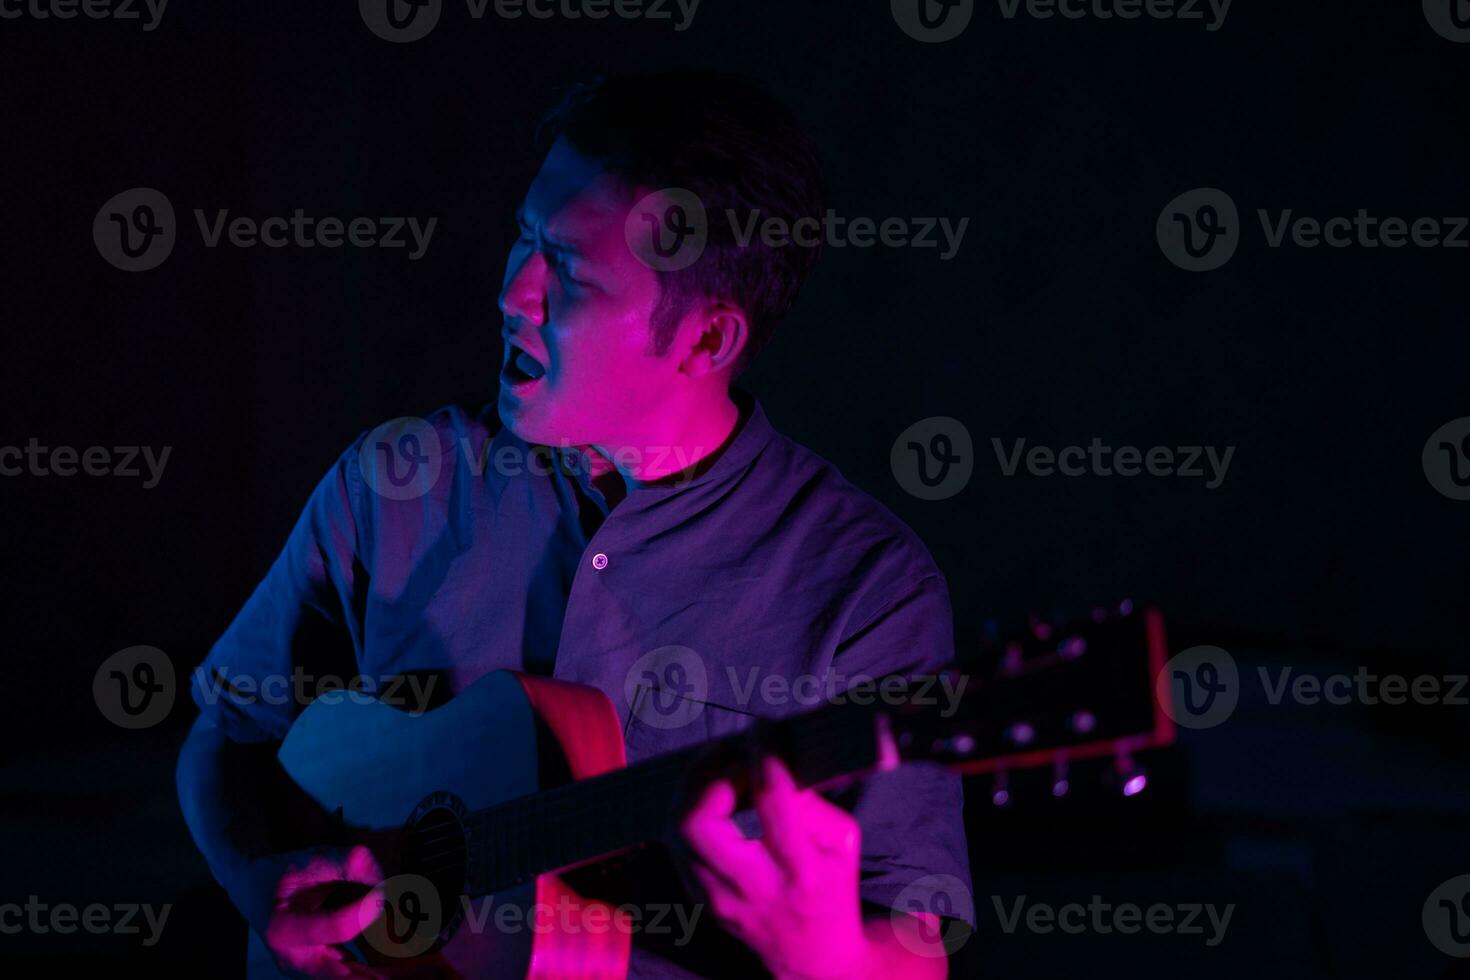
<point x="298" y="626"/>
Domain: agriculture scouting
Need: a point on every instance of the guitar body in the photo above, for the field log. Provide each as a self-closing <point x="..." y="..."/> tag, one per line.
<point x="509" y="735"/>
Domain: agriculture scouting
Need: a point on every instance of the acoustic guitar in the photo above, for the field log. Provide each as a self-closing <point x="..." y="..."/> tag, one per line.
<point x="514" y="795"/>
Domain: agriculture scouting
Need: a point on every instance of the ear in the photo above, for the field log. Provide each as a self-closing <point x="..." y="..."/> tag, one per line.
<point x="716" y="334"/>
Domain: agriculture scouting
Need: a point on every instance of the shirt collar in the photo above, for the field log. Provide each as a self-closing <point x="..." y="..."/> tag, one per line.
<point x="752" y="435"/>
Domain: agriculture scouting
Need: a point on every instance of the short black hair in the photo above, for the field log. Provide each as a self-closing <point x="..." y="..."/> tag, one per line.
<point x="734" y="145"/>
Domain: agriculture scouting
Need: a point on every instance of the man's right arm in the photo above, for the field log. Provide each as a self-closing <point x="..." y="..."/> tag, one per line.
<point x="268" y="844"/>
<point x="236" y="799"/>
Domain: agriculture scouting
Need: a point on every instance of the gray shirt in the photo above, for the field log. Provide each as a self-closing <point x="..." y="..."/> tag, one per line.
<point x="758" y="588"/>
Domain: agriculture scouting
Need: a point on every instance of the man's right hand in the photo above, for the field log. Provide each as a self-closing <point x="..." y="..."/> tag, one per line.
<point x="305" y="933"/>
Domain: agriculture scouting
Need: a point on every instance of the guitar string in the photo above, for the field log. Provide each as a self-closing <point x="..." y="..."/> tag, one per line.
<point x="574" y="799"/>
<point x="590" y="792"/>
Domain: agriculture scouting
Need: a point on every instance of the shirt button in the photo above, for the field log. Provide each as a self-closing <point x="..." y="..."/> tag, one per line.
<point x="599" y="561"/>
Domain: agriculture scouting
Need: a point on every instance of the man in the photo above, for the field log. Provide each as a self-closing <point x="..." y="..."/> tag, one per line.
<point x="666" y="513"/>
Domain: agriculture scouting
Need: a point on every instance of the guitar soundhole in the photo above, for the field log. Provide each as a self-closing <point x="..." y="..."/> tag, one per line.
<point x="435" y="847"/>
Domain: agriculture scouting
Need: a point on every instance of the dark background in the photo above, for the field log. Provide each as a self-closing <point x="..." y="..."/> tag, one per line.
<point x="1059" y="320"/>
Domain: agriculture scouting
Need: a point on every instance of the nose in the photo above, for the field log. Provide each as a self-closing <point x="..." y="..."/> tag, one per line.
<point x="523" y="297"/>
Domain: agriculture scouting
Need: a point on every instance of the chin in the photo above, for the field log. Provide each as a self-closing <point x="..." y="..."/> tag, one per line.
<point x="527" y="422"/>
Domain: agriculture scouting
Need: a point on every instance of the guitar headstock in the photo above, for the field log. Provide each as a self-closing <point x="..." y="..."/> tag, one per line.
<point x="1048" y="695"/>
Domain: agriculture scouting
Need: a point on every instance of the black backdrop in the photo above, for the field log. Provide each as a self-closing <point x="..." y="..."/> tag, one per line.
<point x="1059" y="320"/>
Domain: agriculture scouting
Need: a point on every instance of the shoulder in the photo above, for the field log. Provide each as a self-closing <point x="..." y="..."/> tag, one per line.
<point x="413" y="460"/>
<point x="842" y="518"/>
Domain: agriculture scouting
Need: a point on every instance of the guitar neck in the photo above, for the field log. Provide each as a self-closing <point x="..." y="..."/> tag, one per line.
<point x="513" y="842"/>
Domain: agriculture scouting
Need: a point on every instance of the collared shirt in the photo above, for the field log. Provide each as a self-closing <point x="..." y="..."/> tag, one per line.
<point x="756" y="588"/>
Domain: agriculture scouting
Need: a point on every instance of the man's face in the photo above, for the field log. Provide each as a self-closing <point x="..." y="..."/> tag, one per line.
<point x="578" y="303"/>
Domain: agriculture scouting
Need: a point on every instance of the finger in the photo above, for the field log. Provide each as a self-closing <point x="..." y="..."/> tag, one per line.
<point x="802" y="829"/>
<point x="324" y="927"/>
<point x="726" y="903"/>
<point x="786" y="821"/>
<point x="317" y="961"/>
<point x="716" y="840"/>
<point x="363" y="867"/>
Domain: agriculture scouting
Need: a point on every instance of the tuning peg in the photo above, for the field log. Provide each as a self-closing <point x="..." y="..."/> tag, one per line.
<point x="1059" y="784"/>
<point x="1082" y="722"/>
<point x="1021" y="734"/>
<point x="955" y="745"/>
<point x="1072" y="647"/>
<point x="1125" y="608"/>
<point x="1130" y="775"/>
<point x="1015" y="659"/>
<point x="1000" y="789"/>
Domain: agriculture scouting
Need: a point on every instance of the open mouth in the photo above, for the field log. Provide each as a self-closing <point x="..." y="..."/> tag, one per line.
<point x="521" y="370"/>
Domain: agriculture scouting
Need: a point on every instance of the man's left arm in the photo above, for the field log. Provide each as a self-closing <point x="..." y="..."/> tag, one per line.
<point x="795" y="895"/>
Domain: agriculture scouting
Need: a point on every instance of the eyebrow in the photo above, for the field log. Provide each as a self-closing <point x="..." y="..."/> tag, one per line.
<point x="556" y="244"/>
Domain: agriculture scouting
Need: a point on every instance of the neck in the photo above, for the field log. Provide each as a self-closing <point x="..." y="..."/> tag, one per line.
<point x="683" y="441"/>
